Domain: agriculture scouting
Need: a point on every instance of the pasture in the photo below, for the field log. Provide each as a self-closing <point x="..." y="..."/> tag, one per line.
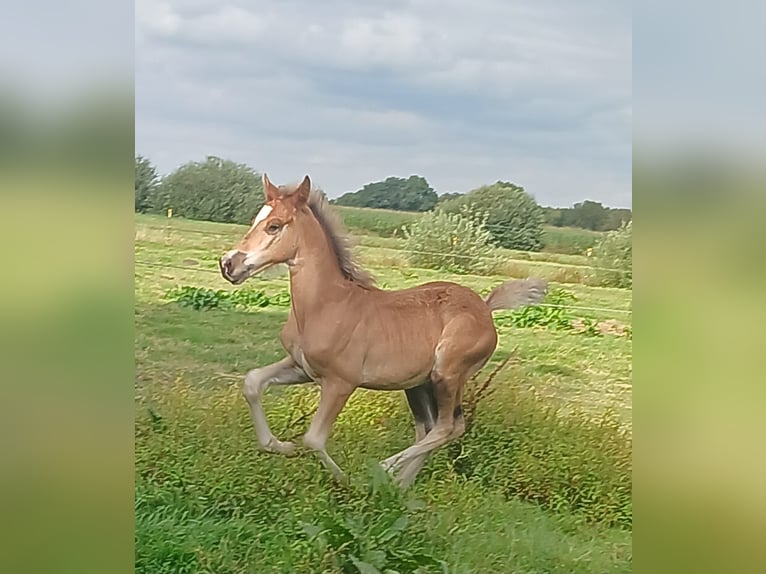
<point x="541" y="482"/>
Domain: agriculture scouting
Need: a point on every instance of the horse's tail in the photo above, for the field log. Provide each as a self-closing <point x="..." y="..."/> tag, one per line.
<point x="517" y="293"/>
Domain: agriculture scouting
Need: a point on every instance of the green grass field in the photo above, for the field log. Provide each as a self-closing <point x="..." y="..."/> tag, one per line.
<point x="540" y="483"/>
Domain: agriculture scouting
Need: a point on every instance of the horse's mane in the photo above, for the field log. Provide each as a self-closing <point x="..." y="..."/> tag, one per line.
<point x="339" y="239"/>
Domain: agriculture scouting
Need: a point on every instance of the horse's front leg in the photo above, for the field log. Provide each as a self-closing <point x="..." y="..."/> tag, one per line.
<point x="333" y="398"/>
<point x="284" y="372"/>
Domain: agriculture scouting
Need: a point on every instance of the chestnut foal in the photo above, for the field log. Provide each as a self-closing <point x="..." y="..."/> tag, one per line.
<point x="344" y="333"/>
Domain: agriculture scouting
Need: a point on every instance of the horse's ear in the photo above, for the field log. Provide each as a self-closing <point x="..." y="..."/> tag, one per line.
<point x="302" y="191"/>
<point x="270" y="190"/>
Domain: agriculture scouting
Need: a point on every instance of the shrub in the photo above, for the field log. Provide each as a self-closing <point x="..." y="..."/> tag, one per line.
<point x="514" y="218"/>
<point x="202" y="298"/>
<point x="453" y="242"/>
<point x="615" y="251"/>
<point x="213" y="190"/>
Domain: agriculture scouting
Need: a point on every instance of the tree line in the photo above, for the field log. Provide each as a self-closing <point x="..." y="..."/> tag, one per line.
<point x="588" y="215"/>
<point x="221" y="190"/>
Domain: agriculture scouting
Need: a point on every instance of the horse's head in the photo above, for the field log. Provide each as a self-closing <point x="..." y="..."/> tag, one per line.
<point x="273" y="235"/>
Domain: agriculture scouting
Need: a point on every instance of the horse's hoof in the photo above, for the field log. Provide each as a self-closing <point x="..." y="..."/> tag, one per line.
<point x="342" y="479"/>
<point x="286" y="448"/>
<point x="279" y="447"/>
<point x="388" y="465"/>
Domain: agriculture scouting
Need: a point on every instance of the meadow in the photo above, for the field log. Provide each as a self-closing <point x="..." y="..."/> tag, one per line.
<point x="541" y="482"/>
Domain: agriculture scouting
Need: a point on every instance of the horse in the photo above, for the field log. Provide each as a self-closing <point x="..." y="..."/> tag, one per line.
<point x="343" y="332"/>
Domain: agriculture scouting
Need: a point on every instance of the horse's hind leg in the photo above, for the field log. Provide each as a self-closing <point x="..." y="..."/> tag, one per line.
<point x="284" y="372"/>
<point x="445" y="391"/>
<point x="461" y="352"/>
<point x="423" y="406"/>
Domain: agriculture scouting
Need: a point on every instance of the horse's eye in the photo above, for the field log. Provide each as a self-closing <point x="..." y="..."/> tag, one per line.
<point x="273" y="228"/>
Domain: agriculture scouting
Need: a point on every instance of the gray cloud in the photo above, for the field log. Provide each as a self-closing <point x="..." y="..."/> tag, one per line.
<point x="462" y="93"/>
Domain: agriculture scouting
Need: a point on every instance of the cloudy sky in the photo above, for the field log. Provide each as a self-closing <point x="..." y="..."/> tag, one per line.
<point x="537" y="92"/>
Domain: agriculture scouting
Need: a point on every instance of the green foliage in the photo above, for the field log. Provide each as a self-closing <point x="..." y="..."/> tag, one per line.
<point x="447" y="196"/>
<point x="615" y="251"/>
<point x="554" y="313"/>
<point x="569" y="240"/>
<point x="514" y="218"/>
<point x="455" y="242"/>
<point x="213" y="190"/>
<point x="411" y="194"/>
<point x="372" y="529"/>
<point x="146" y="183"/>
<point x="588" y="215"/>
<point x="558" y="318"/>
<point x="383" y="222"/>
<point x="202" y="298"/>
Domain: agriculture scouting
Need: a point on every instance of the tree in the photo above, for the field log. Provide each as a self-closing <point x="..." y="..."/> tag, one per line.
<point x="146" y="183"/>
<point x="213" y="190"/>
<point x="514" y="218"/>
<point x="411" y="194"/>
<point x="589" y="215"/>
<point x="447" y="196"/>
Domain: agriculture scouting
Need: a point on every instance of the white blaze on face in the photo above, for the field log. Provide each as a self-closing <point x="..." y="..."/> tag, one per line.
<point x="262" y="214"/>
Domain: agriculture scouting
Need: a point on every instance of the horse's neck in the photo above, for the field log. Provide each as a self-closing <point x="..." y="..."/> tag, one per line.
<point x="315" y="276"/>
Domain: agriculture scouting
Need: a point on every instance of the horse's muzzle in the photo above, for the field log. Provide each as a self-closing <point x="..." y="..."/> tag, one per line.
<point x="233" y="267"/>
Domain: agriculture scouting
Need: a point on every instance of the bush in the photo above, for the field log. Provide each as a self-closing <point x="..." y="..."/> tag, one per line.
<point x="515" y="220"/>
<point x="213" y="190"/>
<point x="453" y="242"/>
<point x="615" y="251"/>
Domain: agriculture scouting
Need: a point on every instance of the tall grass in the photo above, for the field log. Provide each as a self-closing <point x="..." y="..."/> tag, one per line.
<point x="569" y="240"/>
<point x="206" y="500"/>
<point x="383" y="222"/>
